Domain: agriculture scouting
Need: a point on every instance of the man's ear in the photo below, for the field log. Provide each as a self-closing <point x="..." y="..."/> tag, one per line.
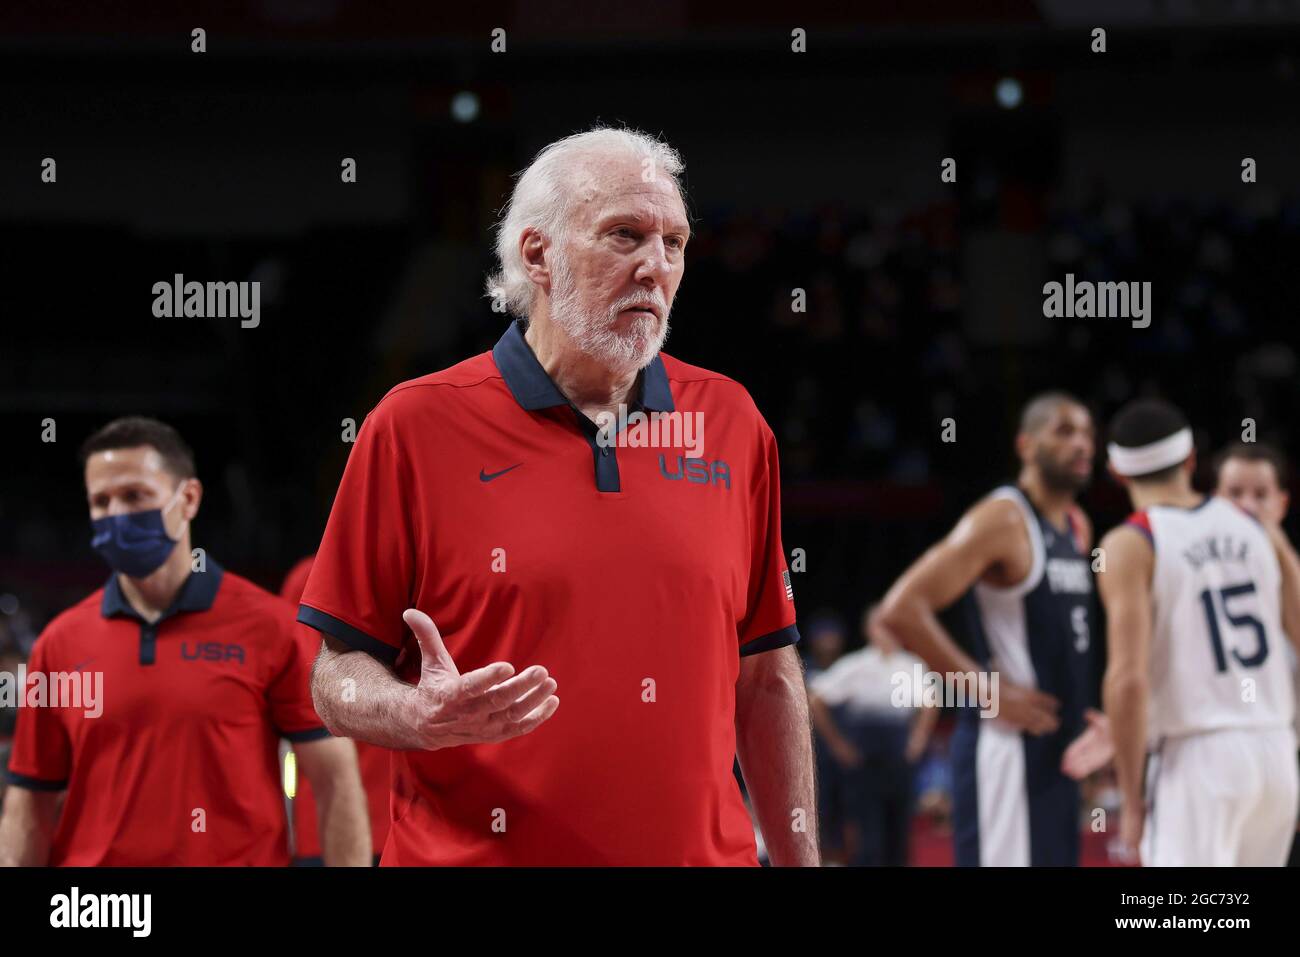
<point x="1022" y="446"/>
<point x="192" y="497"/>
<point x="1285" y="499"/>
<point x="532" y="246"/>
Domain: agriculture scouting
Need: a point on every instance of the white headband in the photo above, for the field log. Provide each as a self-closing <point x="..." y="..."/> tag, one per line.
<point x="1146" y="459"/>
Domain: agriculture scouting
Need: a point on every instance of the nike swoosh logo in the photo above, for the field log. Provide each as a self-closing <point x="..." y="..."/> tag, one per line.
<point x="486" y="477"/>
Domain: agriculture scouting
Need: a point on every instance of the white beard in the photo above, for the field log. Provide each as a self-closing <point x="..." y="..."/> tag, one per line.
<point x="595" y="335"/>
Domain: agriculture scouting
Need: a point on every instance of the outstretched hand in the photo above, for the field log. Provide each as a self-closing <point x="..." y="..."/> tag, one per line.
<point x="1092" y="750"/>
<point x="483" y="706"/>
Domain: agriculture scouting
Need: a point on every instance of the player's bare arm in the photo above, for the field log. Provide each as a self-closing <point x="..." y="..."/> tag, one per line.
<point x="918" y="736"/>
<point x="359" y="697"/>
<point x="774" y="745"/>
<point x="990" y="544"/>
<point x="330" y="765"/>
<point x="27" y="827"/>
<point x="1125" y="588"/>
<point x="1289" y="563"/>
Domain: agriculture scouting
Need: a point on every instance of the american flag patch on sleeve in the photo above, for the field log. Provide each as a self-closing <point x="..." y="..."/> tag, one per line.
<point x="789" y="589"/>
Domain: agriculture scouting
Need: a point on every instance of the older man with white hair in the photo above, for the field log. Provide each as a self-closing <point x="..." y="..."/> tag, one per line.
<point x="545" y="505"/>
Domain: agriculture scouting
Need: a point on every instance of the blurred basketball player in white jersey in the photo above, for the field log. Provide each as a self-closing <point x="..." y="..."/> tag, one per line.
<point x="1254" y="476"/>
<point x="1197" y="687"/>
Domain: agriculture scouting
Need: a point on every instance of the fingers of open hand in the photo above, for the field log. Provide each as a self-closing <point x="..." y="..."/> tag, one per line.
<point x="506" y="693"/>
<point x="524" y="705"/>
<point x="473" y="684"/>
<point x="475" y="709"/>
<point x="493" y="730"/>
<point x="507" y="729"/>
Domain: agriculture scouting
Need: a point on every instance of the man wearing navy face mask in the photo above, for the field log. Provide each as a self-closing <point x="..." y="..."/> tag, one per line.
<point x="177" y="762"/>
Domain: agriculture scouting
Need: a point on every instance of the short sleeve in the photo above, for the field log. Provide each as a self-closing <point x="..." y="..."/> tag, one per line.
<point x="769" y="620"/>
<point x="361" y="580"/>
<point x="830" y="685"/>
<point x="289" y="690"/>
<point x="41" y="757"/>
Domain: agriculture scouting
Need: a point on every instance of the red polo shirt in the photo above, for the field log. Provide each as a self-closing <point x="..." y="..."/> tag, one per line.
<point x="637" y="576"/>
<point x="371" y="759"/>
<point x="181" y="767"/>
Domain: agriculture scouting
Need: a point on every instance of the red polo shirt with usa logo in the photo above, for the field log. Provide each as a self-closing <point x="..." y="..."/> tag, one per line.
<point x="638" y="576"/>
<point x="181" y="765"/>
<point x="372" y="760"/>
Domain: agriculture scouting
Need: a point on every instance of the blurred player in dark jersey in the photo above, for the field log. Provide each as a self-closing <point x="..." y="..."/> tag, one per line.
<point x="1019" y="557"/>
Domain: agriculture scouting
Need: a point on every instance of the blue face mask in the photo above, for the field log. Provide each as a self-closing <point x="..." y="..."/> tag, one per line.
<point x="136" y="543"/>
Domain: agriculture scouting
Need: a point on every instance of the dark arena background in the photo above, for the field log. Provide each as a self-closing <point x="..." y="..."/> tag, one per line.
<point x="893" y="393"/>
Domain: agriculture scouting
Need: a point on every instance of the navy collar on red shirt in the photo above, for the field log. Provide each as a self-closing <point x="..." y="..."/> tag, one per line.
<point x="197" y="593"/>
<point x="534" y="389"/>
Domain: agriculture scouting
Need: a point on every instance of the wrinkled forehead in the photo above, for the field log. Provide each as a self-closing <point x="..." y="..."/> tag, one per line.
<point x="607" y="186"/>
